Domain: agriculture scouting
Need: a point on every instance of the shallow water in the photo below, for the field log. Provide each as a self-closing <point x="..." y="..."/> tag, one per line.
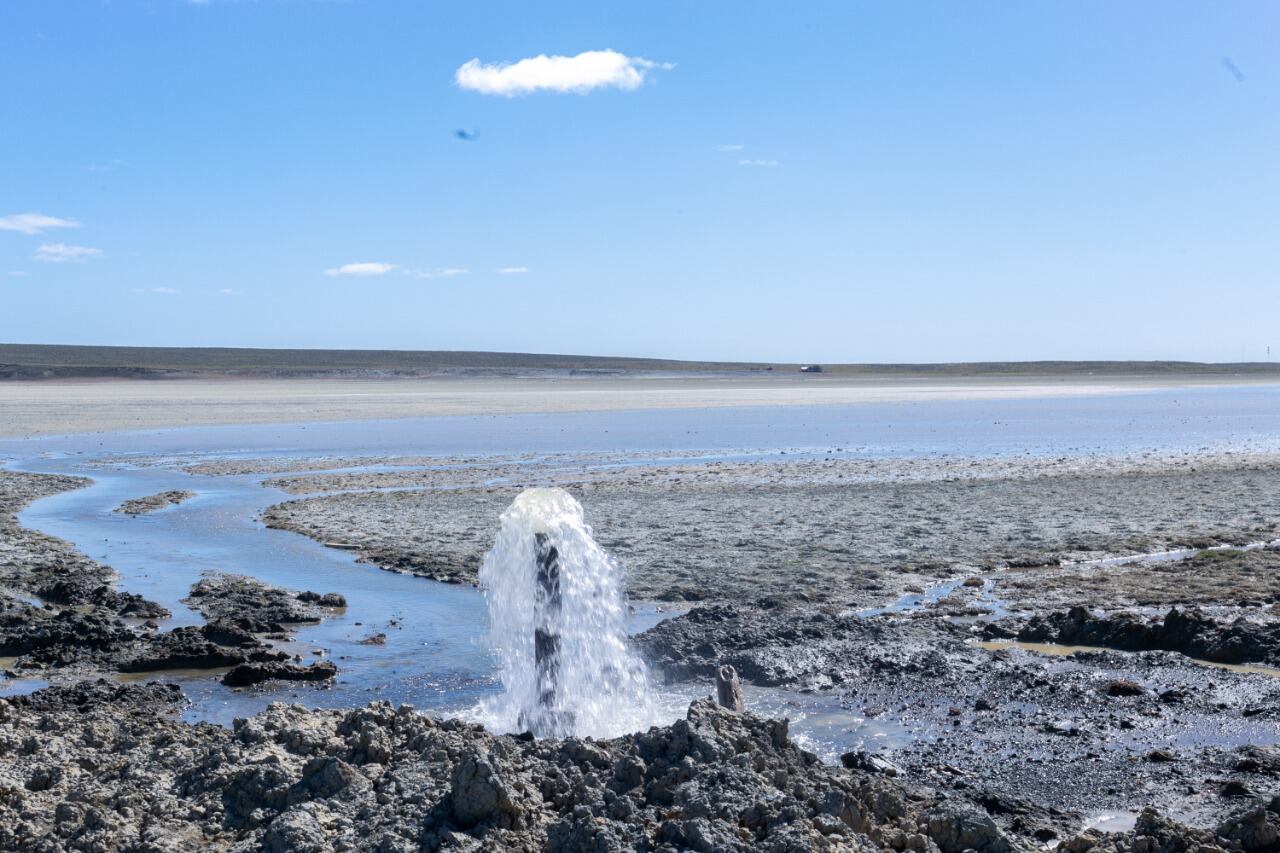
<point x="1167" y="419"/>
<point x="435" y="656"/>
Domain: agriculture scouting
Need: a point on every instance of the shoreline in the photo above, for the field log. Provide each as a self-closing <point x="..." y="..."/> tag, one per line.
<point x="65" y="407"/>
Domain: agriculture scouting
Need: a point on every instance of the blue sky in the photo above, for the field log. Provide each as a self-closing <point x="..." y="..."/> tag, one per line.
<point x="914" y="182"/>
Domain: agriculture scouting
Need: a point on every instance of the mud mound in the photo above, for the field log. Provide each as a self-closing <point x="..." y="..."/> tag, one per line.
<point x="1189" y="632"/>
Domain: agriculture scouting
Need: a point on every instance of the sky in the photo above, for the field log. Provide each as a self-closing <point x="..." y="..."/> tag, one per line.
<point x="831" y="182"/>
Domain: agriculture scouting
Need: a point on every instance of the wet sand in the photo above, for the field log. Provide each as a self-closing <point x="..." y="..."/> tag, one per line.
<point x="57" y="407"/>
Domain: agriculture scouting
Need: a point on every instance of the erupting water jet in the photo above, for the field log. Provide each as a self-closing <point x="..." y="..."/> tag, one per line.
<point x="557" y="618"/>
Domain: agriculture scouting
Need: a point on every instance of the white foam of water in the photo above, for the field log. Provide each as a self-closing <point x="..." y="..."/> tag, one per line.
<point x="600" y="685"/>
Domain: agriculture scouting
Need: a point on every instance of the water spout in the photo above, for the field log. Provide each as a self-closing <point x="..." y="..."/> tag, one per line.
<point x="557" y="626"/>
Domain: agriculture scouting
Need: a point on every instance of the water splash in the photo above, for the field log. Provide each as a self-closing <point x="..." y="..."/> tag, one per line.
<point x="557" y="626"/>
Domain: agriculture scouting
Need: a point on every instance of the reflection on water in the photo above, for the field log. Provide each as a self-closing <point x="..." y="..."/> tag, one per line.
<point x="18" y="685"/>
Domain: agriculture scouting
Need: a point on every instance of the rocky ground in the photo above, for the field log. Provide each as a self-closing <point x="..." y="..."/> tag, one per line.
<point x="104" y="767"/>
<point x="1094" y="732"/>
<point x="151" y="503"/>
<point x="972" y="742"/>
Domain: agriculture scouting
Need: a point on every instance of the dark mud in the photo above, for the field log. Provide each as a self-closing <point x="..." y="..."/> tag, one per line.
<point x="152" y="503"/>
<point x="62" y="618"/>
<point x="1189" y="632"/>
<point x="103" y="767"/>
<point x="1073" y="735"/>
<point x="70" y="643"/>
<point x="256" y="607"/>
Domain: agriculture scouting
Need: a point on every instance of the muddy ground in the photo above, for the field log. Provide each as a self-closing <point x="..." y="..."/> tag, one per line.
<point x="983" y="747"/>
<point x="784" y="556"/>
<point x="840" y="533"/>
<point x="154" y="503"/>
<point x="1098" y="732"/>
<point x="103" y="767"/>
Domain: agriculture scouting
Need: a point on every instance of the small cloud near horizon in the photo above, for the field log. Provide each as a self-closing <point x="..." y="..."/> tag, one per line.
<point x="757" y="162"/>
<point x="34" y="223"/>
<point x="589" y="70"/>
<point x="512" y="270"/>
<point x="730" y="147"/>
<point x="230" y="291"/>
<point x="61" y="253"/>
<point x="444" y="272"/>
<point x="16" y="273"/>
<point x="366" y="268"/>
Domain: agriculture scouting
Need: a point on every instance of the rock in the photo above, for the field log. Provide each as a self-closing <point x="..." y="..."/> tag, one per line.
<point x="477" y="794"/>
<point x="956" y="828"/>
<point x="329" y="599"/>
<point x="1124" y="687"/>
<point x="247" y="674"/>
<point x="1236" y="788"/>
<point x="868" y="763"/>
<point x="324" y="777"/>
<point x="297" y="830"/>
<point x="1258" y="829"/>
<point x="1259" y="759"/>
<point x="257" y="607"/>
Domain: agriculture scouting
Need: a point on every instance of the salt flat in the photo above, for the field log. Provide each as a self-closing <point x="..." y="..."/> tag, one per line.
<point x="100" y="405"/>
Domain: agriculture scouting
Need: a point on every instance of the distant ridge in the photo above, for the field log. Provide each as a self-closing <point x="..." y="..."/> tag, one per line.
<point x="56" y="361"/>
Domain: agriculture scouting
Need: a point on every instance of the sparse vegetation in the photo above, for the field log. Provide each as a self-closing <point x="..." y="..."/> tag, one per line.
<point x="42" y="361"/>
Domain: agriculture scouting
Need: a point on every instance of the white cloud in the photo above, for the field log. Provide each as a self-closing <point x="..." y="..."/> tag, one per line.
<point x="60" y="253"/>
<point x="16" y="273"/>
<point x="165" y="290"/>
<point x="730" y="147"/>
<point x="592" y="69"/>
<point x="757" y="162"/>
<point x="512" y="270"/>
<point x="444" y="272"/>
<point x="364" y="269"/>
<point x="230" y="291"/>
<point x="34" y="223"/>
